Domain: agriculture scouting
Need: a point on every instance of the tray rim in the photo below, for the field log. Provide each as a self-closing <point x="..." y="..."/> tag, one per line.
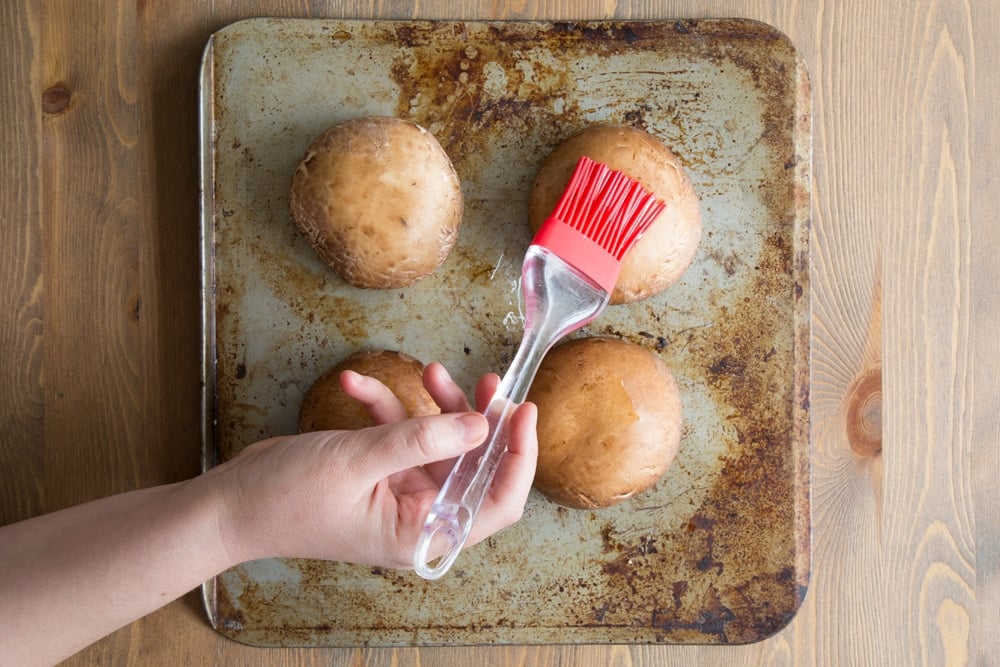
<point x="801" y="267"/>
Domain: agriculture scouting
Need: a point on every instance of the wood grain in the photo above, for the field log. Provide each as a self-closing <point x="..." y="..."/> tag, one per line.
<point x="21" y="296"/>
<point x="98" y="315"/>
<point x="984" y="302"/>
<point x="847" y="339"/>
<point x="91" y="186"/>
<point x="928" y="369"/>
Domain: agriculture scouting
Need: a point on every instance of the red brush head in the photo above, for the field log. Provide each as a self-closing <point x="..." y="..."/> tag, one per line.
<point x="600" y="216"/>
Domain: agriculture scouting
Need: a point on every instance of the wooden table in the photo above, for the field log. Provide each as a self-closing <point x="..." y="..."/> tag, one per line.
<point x="99" y="342"/>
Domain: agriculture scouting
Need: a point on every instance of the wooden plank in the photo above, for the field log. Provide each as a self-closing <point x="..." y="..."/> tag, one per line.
<point x="22" y="295"/>
<point x="92" y="188"/>
<point x="984" y="323"/>
<point x="150" y="183"/>
<point x="929" y="552"/>
<point x="165" y="64"/>
<point x="846" y="342"/>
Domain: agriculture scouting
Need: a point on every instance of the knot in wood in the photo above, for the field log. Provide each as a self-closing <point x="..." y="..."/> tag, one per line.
<point x="864" y="414"/>
<point x="55" y="99"/>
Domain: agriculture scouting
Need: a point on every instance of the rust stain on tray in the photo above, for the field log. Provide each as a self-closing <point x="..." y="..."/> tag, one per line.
<point x="718" y="550"/>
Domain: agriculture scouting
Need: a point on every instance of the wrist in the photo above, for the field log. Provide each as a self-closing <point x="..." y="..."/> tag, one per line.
<point x="212" y="495"/>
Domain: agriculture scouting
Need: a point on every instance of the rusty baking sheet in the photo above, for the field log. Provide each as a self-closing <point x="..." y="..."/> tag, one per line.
<point x="718" y="551"/>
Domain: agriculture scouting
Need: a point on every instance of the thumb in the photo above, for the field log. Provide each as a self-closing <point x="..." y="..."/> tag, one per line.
<point x="414" y="442"/>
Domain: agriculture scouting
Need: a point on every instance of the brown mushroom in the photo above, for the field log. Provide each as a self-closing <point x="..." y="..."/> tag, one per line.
<point x="325" y="406"/>
<point x="379" y="201"/>
<point x="669" y="246"/>
<point x="609" y="421"/>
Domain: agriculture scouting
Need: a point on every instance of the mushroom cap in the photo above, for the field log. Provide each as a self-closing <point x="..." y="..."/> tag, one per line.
<point x="609" y="421"/>
<point x="668" y="247"/>
<point x="379" y="201"/>
<point x="325" y="406"/>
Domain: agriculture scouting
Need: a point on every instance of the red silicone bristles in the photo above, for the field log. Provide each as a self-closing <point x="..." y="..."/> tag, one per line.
<point x="607" y="206"/>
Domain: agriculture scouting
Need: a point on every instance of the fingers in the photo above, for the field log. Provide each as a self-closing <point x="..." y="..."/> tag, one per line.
<point x="509" y="492"/>
<point x="485" y="389"/>
<point x="505" y="501"/>
<point x="385" y="408"/>
<point x="450" y="398"/>
<point x="382" y="405"/>
<point x="416" y="442"/>
<point x="448" y="395"/>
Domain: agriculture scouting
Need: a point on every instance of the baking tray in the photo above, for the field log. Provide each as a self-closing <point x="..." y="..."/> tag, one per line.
<point x="718" y="551"/>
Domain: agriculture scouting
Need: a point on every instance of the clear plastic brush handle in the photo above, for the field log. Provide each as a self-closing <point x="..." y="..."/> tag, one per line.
<point x="558" y="299"/>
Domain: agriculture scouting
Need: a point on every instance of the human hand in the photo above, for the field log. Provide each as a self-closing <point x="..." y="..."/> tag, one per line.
<point x="361" y="496"/>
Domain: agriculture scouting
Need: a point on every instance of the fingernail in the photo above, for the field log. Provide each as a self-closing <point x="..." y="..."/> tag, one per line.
<point x="473" y="427"/>
<point x="351" y="376"/>
<point x="444" y="372"/>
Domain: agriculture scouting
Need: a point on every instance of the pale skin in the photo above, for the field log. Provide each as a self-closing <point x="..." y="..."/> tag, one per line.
<point x="71" y="577"/>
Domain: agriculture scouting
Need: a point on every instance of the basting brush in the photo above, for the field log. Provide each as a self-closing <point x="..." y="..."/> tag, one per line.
<point x="568" y="275"/>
